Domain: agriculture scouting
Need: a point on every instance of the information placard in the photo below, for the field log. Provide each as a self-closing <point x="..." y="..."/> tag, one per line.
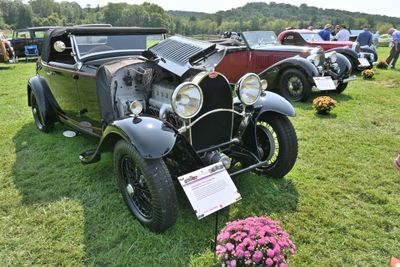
<point x="324" y="83"/>
<point x="363" y="62"/>
<point x="209" y="189"/>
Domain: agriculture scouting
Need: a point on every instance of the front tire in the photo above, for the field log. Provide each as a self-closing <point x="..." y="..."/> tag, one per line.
<point x="43" y="121"/>
<point x="277" y="143"/>
<point x="294" y="86"/>
<point x="146" y="187"/>
<point x="340" y="88"/>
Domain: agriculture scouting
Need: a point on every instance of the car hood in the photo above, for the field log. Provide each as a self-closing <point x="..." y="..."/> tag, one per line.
<point x="178" y="54"/>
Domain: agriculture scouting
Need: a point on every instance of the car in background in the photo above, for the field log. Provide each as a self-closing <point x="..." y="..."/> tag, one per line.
<point x="354" y="34"/>
<point x="28" y="37"/>
<point x="291" y="71"/>
<point x="161" y="109"/>
<point x="6" y="50"/>
<point x="360" y="58"/>
<point x="385" y="40"/>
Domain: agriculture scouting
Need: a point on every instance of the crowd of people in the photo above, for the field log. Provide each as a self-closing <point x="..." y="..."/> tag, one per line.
<point x="365" y="38"/>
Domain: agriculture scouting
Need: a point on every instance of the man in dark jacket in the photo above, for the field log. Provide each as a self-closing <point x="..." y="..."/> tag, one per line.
<point x="365" y="37"/>
<point x="326" y="32"/>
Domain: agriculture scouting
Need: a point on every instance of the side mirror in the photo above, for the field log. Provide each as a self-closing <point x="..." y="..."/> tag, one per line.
<point x="59" y="46"/>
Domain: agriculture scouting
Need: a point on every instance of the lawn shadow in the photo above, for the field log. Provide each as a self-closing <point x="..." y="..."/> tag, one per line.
<point x="47" y="170"/>
<point x="329" y="116"/>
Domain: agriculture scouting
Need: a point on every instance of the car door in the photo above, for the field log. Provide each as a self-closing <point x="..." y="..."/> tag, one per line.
<point x="235" y="64"/>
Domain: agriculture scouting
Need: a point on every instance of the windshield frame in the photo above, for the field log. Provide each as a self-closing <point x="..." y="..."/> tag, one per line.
<point x="85" y="57"/>
<point x="253" y="45"/>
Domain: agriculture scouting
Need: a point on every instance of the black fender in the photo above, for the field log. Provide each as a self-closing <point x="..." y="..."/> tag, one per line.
<point x="45" y="99"/>
<point x="351" y="55"/>
<point x="273" y="73"/>
<point x="151" y="137"/>
<point x="270" y="101"/>
<point x="345" y="67"/>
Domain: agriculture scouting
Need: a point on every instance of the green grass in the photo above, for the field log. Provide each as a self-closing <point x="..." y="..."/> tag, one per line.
<point x="340" y="203"/>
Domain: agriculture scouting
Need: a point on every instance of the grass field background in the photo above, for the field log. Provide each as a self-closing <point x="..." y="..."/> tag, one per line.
<point x="340" y="203"/>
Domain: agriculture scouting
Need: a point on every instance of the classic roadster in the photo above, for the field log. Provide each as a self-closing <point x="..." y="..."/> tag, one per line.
<point x="360" y="58"/>
<point x="161" y="109"/>
<point x="291" y="71"/>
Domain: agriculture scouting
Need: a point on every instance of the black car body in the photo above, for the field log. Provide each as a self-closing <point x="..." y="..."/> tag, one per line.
<point x="163" y="111"/>
<point x="28" y="36"/>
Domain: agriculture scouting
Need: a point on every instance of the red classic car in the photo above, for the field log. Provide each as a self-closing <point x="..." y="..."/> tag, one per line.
<point x="291" y="71"/>
<point x="360" y="58"/>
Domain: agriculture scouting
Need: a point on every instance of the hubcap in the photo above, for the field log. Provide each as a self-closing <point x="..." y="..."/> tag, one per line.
<point x="295" y="86"/>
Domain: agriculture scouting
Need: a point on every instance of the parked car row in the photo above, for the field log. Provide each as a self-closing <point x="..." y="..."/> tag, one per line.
<point x="168" y="106"/>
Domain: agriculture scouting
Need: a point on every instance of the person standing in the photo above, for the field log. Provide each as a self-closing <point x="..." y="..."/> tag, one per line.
<point x="395" y="51"/>
<point x="326" y="32"/>
<point x="365" y="37"/>
<point x="375" y="39"/>
<point x="343" y="34"/>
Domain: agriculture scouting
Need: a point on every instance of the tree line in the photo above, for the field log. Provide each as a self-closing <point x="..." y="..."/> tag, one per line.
<point x="252" y="16"/>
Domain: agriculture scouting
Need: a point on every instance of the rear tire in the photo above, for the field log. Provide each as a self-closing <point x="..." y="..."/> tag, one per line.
<point x="294" y="86"/>
<point x="146" y="187"/>
<point x="277" y="140"/>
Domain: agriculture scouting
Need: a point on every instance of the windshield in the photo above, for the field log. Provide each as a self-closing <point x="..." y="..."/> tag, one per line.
<point x="260" y="38"/>
<point x="95" y="44"/>
<point x="311" y="37"/>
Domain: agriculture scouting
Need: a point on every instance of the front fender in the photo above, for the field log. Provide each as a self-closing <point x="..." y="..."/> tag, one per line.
<point x="270" y="101"/>
<point x="344" y="65"/>
<point x="151" y="137"/>
<point x="273" y="73"/>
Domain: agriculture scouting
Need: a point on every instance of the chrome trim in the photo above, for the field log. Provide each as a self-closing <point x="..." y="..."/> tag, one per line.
<point x="352" y="78"/>
<point x="185" y="127"/>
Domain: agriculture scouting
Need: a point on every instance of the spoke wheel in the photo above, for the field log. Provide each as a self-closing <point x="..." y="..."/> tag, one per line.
<point x="146" y="187"/>
<point x="277" y="144"/>
<point x="294" y="86"/>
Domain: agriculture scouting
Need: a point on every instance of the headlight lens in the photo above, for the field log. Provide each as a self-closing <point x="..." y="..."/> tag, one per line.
<point x="249" y="88"/>
<point x="187" y="100"/>
<point x="315" y="59"/>
<point x="332" y="56"/>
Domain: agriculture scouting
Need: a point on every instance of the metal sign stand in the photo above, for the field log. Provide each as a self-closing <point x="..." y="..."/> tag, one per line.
<point x="216" y="232"/>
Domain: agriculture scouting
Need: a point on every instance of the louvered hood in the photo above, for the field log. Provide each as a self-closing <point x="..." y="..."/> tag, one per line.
<point x="178" y="54"/>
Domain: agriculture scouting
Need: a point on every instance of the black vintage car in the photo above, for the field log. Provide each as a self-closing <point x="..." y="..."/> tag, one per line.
<point x="161" y="109"/>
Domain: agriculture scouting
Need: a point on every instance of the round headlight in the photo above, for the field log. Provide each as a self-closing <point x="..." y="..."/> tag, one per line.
<point x="315" y="59"/>
<point x="187" y="100"/>
<point x="249" y="88"/>
<point x="333" y="57"/>
<point x="136" y="107"/>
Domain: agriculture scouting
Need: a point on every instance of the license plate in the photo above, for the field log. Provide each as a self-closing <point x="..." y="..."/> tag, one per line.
<point x="324" y="83"/>
<point x="363" y="62"/>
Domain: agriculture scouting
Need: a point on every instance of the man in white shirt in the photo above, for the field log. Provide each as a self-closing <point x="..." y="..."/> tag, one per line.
<point x="343" y="34"/>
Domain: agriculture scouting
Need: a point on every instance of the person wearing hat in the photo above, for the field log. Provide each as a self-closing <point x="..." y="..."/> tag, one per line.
<point x="395" y="51"/>
<point x="326" y="32"/>
<point x="365" y="37"/>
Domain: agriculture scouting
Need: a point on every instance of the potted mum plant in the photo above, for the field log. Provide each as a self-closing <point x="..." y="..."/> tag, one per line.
<point x="256" y="241"/>
<point x="324" y="104"/>
<point x="368" y="74"/>
<point x="382" y="65"/>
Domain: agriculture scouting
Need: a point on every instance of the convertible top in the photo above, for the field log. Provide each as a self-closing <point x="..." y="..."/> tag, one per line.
<point x="82" y="30"/>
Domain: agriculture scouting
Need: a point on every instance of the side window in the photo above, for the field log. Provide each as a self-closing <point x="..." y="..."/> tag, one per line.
<point x="39" y="34"/>
<point x="23" y="35"/>
<point x="288" y="39"/>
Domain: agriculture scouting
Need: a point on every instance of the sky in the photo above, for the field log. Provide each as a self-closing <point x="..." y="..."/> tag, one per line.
<point x="380" y="7"/>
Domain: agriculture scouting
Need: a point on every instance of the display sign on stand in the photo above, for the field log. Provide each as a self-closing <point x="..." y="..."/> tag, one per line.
<point x="209" y="189"/>
<point x="324" y="83"/>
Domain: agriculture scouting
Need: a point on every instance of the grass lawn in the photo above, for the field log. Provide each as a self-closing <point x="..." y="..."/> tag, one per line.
<point x="340" y="203"/>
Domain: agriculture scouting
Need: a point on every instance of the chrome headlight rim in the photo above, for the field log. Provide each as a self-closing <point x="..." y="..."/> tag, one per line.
<point x="239" y="88"/>
<point x="315" y="59"/>
<point x="174" y="99"/>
